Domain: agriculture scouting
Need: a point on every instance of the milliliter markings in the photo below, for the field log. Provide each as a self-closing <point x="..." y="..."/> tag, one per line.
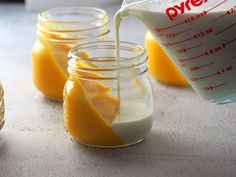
<point x="197" y="68"/>
<point x="218" y="73"/>
<point x="211" y="88"/>
<point x="184" y="50"/>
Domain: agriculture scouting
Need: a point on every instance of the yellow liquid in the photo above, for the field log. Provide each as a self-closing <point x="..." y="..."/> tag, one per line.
<point x="160" y="65"/>
<point x="50" y="68"/>
<point x="90" y="110"/>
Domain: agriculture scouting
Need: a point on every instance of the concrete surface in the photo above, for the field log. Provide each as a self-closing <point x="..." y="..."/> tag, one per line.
<point x="190" y="137"/>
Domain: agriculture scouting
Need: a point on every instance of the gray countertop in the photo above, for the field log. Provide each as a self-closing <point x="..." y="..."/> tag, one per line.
<point x="190" y="137"/>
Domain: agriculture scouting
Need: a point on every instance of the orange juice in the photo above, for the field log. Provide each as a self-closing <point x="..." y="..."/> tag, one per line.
<point x="49" y="76"/>
<point x="97" y="110"/>
<point x="160" y="65"/>
<point x="58" y="31"/>
<point x="84" y="120"/>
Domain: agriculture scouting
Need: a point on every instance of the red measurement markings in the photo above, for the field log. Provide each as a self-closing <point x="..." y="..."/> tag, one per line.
<point x="203" y="33"/>
<point x="173" y="35"/>
<point x="227" y="13"/>
<point x="160" y="35"/>
<point x="195" y="36"/>
<point x="195" y="17"/>
<point x="184" y="31"/>
<point x="184" y="50"/>
<point x="197" y="68"/>
<point x="220" y="47"/>
<point x="189" y="20"/>
<point x="226" y="29"/>
<point x="228" y="43"/>
<point x="218" y="18"/>
<point x="185" y="40"/>
<point x="166" y="44"/>
<point x="158" y="30"/>
<point x="217" y="6"/>
<point x="193" y="58"/>
<point x="205" y="77"/>
<point x="196" y="46"/>
<point x="178" y="42"/>
<point x="185" y="21"/>
<point x="231" y="10"/>
<point x="209" y="52"/>
<point x="233" y="57"/>
<point x="211" y="88"/>
<point x="175" y="43"/>
<point x="218" y="73"/>
<point x="215" y="50"/>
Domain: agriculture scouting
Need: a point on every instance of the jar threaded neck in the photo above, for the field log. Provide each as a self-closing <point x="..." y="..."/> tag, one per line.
<point x="73" y="23"/>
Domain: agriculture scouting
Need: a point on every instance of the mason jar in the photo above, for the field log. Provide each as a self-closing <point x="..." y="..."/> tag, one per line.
<point x="108" y="102"/>
<point x="2" y="108"/>
<point x="58" y="31"/>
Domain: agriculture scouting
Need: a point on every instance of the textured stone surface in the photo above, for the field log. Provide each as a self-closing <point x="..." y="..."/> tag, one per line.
<point x="190" y="137"/>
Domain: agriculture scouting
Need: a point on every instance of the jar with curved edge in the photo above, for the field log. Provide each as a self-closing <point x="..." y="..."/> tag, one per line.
<point x="161" y="66"/>
<point x="2" y="108"/>
<point x="108" y="103"/>
<point x="58" y="31"/>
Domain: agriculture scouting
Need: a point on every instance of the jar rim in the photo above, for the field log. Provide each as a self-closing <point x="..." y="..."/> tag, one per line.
<point x="95" y="14"/>
<point x="72" y="23"/>
<point x="141" y="56"/>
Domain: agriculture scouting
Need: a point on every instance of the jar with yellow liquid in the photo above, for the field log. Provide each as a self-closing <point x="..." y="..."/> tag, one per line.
<point x="160" y="65"/>
<point x="58" y="31"/>
<point x="2" y="108"/>
<point x="108" y="103"/>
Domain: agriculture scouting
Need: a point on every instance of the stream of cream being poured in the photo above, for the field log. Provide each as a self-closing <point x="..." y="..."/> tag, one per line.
<point x="117" y="21"/>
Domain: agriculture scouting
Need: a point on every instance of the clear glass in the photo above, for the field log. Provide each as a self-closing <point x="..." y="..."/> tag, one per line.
<point x="2" y="108"/>
<point x="199" y="36"/>
<point x="59" y="30"/>
<point x="108" y="103"/>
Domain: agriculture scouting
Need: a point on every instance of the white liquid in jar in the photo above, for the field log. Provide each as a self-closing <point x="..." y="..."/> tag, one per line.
<point x="134" y="122"/>
<point x="201" y="42"/>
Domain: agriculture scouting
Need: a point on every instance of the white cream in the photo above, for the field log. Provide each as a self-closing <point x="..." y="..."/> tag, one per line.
<point x="201" y="41"/>
<point x="134" y="122"/>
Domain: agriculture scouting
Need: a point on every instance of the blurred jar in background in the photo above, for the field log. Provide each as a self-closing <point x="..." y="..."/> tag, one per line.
<point x="58" y="31"/>
<point x="160" y="65"/>
<point x="1" y="107"/>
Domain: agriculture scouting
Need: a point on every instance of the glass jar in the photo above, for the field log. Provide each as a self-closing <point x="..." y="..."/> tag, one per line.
<point x="108" y="103"/>
<point x="58" y="31"/>
<point x="2" y="108"/>
<point x="161" y="66"/>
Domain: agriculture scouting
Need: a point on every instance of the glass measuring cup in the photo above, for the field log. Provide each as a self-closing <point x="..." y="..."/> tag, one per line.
<point x="200" y="38"/>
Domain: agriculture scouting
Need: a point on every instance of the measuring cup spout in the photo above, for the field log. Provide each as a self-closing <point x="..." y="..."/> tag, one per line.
<point x="134" y="8"/>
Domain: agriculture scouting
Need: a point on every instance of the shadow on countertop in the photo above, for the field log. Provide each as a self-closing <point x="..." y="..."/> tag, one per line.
<point x="159" y="155"/>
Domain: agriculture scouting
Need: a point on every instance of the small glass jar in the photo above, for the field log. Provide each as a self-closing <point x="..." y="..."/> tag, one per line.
<point x="160" y="65"/>
<point x="2" y="108"/>
<point x="108" y="103"/>
<point x="58" y="31"/>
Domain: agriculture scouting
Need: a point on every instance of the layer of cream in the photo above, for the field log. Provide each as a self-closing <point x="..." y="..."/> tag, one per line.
<point x="134" y="122"/>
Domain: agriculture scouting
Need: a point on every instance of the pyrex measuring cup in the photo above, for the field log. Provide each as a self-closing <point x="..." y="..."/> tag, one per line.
<point x="200" y="37"/>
